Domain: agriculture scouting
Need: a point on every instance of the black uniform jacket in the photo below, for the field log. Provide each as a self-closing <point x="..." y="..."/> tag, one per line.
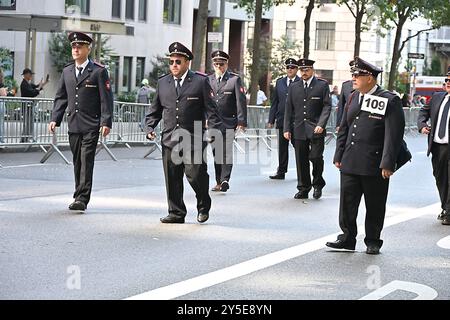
<point x="230" y="98"/>
<point x="88" y="100"/>
<point x="431" y="112"/>
<point x="368" y="142"/>
<point x="305" y="112"/>
<point x="279" y="101"/>
<point x="195" y="104"/>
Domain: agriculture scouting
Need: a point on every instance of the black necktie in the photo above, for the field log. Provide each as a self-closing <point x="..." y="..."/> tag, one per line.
<point x="80" y="71"/>
<point x="444" y="120"/>
<point x="218" y="80"/>
<point x="178" y="86"/>
<point x="361" y="101"/>
<point x="306" y="87"/>
<point x="290" y="82"/>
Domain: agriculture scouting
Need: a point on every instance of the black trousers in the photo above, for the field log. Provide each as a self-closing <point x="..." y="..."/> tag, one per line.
<point x="375" y="191"/>
<point x="83" y="146"/>
<point x="223" y="158"/>
<point x="196" y="174"/>
<point x="306" y="151"/>
<point x="440" y="163"/>
<point x="283" y="152"/>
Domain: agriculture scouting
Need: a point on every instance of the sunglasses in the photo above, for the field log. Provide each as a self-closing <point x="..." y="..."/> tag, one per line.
<point x="291" y="67"/>
<point x="447" y="80"/>
<point x="219" y="64"/>
<point x="171" y="62"/>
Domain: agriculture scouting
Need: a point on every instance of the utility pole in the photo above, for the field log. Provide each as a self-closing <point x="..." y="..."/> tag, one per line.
<point x="222" y="23"/>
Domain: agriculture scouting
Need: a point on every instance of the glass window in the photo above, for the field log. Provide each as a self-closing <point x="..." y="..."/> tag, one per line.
<point x="140" y="71"/>
<point x="116" y="8"/>
<point x="142" y="10"/>
<point x="325" y="74"/>
<point x="129" y="10"/>
<point x="114" y="74"/>
<point x="172" y="11"/>
<point x="378" y="44"/>
<point x="325" y="35"/>
<point x="409" y="42"/>
<point x="7" y="4"/>
<point x="291" y="27"/>
<point x="83" y="6"/>
<point x="126" y="83"/>
<point x="418" y="43"/>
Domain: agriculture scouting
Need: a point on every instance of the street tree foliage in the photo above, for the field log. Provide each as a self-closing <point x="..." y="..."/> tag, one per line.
<point x="282" y="49"/>
<point x="160" y="67"/>
<point x="61" y="51"/>
<point x="200" y="33"/>
<point x="363" y="11"/>
<point x="395" y="13"/>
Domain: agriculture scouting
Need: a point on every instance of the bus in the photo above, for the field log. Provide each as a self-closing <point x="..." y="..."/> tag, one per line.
<point x="426" y="85"/>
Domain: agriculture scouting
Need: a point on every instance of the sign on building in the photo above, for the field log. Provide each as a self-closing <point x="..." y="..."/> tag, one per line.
<point x="416" y="56"/>
<point x="214" y="37"/>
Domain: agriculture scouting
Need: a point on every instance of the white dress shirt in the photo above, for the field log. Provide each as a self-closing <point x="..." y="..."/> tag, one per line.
<point x="84" y="65"/>
<point x="182" y="79"/>
<point x="436" y="139"/>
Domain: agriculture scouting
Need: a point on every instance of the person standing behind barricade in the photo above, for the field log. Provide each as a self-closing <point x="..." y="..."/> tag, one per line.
<point x="346" y="91"/>
<point x="438" y="143"/>
<point x="85" y="90"/>
<point x="143" y="94"/>
<point x="277" y="113"/>
<point x="367" y="150"/>
<point x="308" y="108"/>
<point x="232" y="106"/>
<point x="29" y="90"/>
<point x="184" y="101"/>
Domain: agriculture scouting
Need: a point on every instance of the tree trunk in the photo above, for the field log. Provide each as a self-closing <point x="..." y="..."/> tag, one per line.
<point x="256" y="52"/>
<point x="306" y="38"/>
<point x="396" y="53"/>
<point x="200" y="34"/>
<point x="358" y="22"/>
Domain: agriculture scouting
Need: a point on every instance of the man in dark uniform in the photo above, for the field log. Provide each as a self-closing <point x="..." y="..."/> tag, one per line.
<point x="277" y="113"/>
<point x="308" y="107"/>
<point x="346" y="91"/>
<point x="232" y="105"/>
<point x="84" y="89"/>
<point x="184" y="101"/>
<point x="367" y="148"/>
<point x="438" y="139"/>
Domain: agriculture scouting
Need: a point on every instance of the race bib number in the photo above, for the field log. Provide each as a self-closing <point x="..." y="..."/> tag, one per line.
<point x="374" y="104"/>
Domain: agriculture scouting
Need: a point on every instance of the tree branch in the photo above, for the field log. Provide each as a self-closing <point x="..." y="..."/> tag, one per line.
<point x="350" y="8"/>
<point x="414" y="35"/>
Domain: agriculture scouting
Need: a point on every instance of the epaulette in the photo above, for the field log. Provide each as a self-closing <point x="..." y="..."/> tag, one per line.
<point x="322" y="79"/>
<point x="163" y="76"/>
<point x="99" y="64"/>
<point x="234" y="74"/>
<point x="201" y="73"/>
<point x="70" y="63"/>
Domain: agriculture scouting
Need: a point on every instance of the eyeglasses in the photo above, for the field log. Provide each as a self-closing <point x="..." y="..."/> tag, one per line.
<point x="291" y="67"/>
<point x="447" y="80"/>
<point x="219" y="64"/>
<point x="178" y="62"/>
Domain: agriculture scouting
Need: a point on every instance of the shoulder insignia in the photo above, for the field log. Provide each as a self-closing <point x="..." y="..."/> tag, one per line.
<point x="322" y="79"/>
<point x="234" y="74"/>
<point x="201" y="73"/>
<point x="99" y="64"/>
<point x="163" y="75"/>
<point x="70" y="63"/>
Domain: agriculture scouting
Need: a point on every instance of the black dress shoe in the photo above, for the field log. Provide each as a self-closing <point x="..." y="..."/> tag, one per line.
<point x="278" y="176"/>
<point x="373" y="249"/>
<point x="224" y="186"/>
<point x="341" y="245"/>
<point x="317" y="193"/>
<point x="77" y="206"/>
<point x="301" y="195"/>
<point x="216" y="188"/>
<point x="202" y="217"/>
<point x="446" y="219"/>
<point x="442" y="215"/>
<point x="172" y="219"/>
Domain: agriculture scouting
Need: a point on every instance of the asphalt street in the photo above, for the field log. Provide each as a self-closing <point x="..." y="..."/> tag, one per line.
<point x="260" y="243"/>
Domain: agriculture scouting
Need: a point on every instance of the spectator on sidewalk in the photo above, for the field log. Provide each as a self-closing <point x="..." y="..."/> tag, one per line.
<point x="143" y="95"/>
<point x="261" y="98"/>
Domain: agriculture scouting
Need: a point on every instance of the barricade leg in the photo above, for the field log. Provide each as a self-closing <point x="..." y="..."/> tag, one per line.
<point x="53" y="149"/>
<point x="102" y="145"/>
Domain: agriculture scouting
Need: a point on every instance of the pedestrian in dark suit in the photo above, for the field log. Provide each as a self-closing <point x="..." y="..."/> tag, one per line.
<point x="85" y="91"/>
<point x="367" y="147"/>
<point x="308" y="107"/>
<point x="229" y="95"/>
<point x="277" y="114"/>
<point x="346" y="91"/>
<point x="184" y="101"/>
<point x="438" y="143"/>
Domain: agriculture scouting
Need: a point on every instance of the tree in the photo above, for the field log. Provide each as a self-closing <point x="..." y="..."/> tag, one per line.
<point x="5" y="59"/>
<point x="359" y="9"/>
<point x="61" y="52"/>
<point x="398" y="12"/>
<point x="282" y="49"/>
<point x="307" y="23"/>
<point x="200" y="33"/>
<point x="160" y="67"/>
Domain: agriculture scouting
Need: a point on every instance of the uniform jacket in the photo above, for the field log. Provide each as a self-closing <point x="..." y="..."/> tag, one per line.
<point x="304" y="112"/>
<point x="431" y="112"/>
<point x="369" y="142"/>
<point x="230" y="98"/>
<point x="346" y="91"/>
<point x="279" y="101"/>
<point x="194" y="104"/>
<point x="88" y="100"/>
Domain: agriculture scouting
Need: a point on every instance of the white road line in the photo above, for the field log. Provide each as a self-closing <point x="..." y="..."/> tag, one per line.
<point x="213" y="278"/>
<point x="444" y="243"/>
